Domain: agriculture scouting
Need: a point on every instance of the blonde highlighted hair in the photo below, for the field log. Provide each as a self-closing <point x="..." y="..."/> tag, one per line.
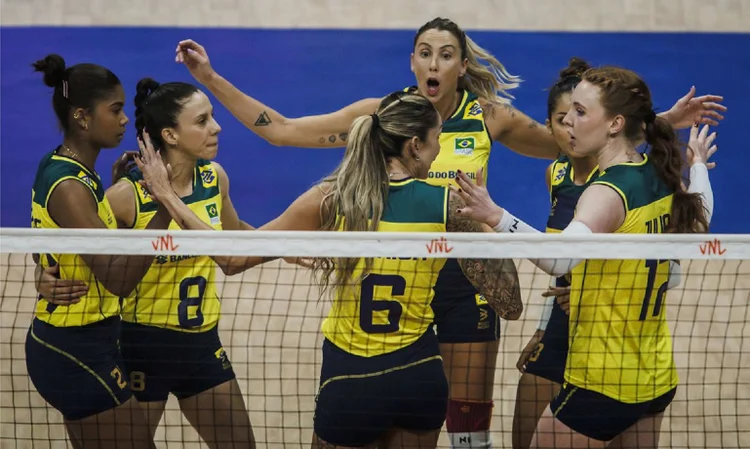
<point x="357" y="191"/>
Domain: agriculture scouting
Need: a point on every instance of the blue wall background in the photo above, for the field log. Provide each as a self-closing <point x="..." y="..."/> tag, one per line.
<point x="303" y="72"/>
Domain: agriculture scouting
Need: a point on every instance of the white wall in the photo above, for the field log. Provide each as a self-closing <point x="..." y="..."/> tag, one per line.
<point x="578" y="15"/>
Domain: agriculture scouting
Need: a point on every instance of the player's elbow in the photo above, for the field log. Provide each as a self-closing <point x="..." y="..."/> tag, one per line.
<point x="282" y="135"/>
<point x="513" y="315"/>
<point x="231" y="269"/>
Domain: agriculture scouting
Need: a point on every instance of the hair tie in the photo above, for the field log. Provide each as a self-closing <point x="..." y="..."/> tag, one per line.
<point x="64" y="89"/>
<point x="375" y="120"/>
<point x="650" y="117"/>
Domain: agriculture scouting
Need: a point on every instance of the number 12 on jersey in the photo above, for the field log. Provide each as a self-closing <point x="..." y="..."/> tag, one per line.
<point x="369" y="305"/>
<point x="653" y="266"/>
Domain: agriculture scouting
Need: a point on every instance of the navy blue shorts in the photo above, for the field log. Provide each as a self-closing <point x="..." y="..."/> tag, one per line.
<point x="162" y="361"/>
<point x="362" y="398"/>
<point x="462" y="315"/>
<point x="77" y="370"/>
<point x="550" y="355"/>
<point x="600" y="417"/>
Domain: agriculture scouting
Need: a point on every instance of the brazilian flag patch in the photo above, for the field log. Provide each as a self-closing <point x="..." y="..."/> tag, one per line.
<point x="464" y="145"/>
<point x="213" y="213"/>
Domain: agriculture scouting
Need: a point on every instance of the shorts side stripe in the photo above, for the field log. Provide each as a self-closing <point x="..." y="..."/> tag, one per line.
<point x="567" y="398"/>
<point x="379" y="373"/>
<point x="79" y="363"/>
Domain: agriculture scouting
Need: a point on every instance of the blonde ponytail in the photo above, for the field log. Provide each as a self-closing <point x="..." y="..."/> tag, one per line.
<point x="357" y="190"/>
<point x="490" y="81"/>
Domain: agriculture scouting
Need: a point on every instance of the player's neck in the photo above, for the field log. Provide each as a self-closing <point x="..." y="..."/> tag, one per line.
<point x="617" y="151"/>
<point x="582" y="168"/>
<point x="81" y="151"/>
<point x="447" y="106"/>
<point x="398" y="170"/>
<point x="183" y="168"/>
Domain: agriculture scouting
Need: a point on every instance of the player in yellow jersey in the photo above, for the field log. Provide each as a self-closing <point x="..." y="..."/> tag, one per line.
<point x="542" y="361"/>
<point x="621" y="389"/>
<point x="170" y="337"/>
<point x="72" y="355"/>
<point x="382" y="381"/>
<point x="471" y="90"/>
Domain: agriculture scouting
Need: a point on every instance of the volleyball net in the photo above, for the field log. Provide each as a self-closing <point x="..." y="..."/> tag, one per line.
<point x="271" y="315"/>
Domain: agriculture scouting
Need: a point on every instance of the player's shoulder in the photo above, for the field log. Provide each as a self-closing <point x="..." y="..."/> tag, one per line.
<point x="638" y="183"/>
<point x="54" y="170"/>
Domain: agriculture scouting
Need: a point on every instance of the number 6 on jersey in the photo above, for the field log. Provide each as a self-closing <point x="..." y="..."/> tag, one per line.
<point x="369" y="305"/>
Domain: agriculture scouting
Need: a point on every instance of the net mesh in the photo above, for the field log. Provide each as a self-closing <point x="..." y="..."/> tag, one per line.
<point x="271" y="316"/>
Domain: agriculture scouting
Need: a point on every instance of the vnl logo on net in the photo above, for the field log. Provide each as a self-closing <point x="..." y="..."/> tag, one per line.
<point x="439" y="246"/>
<point x="712" y="248"/>
<point x="164" y="243"/>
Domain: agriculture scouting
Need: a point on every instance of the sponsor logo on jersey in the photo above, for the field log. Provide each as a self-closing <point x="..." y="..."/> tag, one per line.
<point x="83" y="176"/>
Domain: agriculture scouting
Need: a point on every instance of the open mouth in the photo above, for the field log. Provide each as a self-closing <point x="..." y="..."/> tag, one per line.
<point x="433" y="86"/>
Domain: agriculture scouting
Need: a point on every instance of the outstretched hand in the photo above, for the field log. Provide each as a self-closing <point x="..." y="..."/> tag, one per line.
<point x="195" y="58"/>
<point x="701" y="148"/>
<point x="479" y="206"/>
<point x="157" y="177"/>
<point x="690" y="109"/>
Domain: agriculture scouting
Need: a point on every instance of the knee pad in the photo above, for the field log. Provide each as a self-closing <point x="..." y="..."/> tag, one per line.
<point x="468" y="424"/>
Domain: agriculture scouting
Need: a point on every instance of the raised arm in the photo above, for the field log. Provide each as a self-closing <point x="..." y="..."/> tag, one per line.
<point x="119" y="274"/>
<point x="526" y="136"/>
<point x="316" y="131"/>
<point x="519" y="132"/>
<point x="496" y="279"/>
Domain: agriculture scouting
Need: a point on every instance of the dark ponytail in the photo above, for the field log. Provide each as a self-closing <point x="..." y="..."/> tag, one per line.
<point x="688" y="214"/>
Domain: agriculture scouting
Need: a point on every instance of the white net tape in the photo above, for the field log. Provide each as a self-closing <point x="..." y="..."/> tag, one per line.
<point x="271" y="316"/>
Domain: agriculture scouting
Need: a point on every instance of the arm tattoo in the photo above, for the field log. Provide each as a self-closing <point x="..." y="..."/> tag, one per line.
<point x="263" y="119"/>
<point x="488" y="110"/>
<point x="496" y="279"/>
<point x="533" y="124"/>
<point x="510" y="110"/>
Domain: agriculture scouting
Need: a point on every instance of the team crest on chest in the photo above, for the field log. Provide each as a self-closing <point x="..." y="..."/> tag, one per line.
<point x="208" y="176"/>
<point x="464" y="145"/>
<point x="561" y="173"/>
<point x="213" y="213"/>
<point x="474" y="111"/>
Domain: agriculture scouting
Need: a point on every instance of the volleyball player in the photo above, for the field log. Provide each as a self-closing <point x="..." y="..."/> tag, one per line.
<point x="474" y="99"/>
<point x="542" y="361"/>
<point x="72" y="355"/>
<point x="170" y="340"/>
<point x="382" y="383"/>
<point x="622" y="390"/>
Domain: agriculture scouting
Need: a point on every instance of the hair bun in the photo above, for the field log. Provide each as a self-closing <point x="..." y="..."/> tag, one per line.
<point x="576" y="67"/>
<point x="53" y="67"/>
<point x="143" y="89"/>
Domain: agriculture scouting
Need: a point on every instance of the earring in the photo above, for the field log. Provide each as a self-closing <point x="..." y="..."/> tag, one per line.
<point x="416" y="157"/>
<point x="86" y="126"/>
